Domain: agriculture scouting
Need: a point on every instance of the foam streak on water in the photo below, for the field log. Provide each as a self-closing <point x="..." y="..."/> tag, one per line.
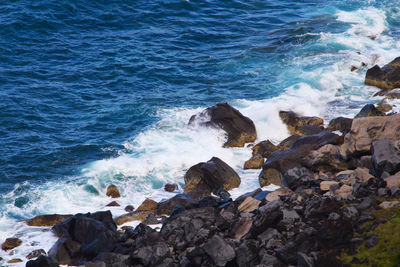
<point x="317" y="81"/>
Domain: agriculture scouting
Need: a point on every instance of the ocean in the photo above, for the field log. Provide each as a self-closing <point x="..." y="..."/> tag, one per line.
<point x="100" y="92"/>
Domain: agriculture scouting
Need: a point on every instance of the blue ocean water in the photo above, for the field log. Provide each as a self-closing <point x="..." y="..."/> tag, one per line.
<point x="99" y="92"/>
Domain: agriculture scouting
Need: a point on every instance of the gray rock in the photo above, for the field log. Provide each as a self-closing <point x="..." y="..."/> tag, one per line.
<point x="385" y="157"/>
<point x="219" y="250"/>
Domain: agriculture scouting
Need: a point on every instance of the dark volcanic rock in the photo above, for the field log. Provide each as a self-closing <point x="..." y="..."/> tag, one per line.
<point x="212" y="174"/>
<point x="264" y="148"/>
<point x="295" y="122"/>
<point x="166" y="207"/>
<point x="219" y="250"/>
<point x="385" y="157"/>
<point x="42" y="261"/>
<point x="170" y="187"/>
<point x="255" y="162"/>
<point x="239" y="129"/>
<point x="386" y="78"/>
<point x="369" y="110"/>
<point x="340" y="124"/>
<point x="288" y="142"/>
<point x="298" y="177"/>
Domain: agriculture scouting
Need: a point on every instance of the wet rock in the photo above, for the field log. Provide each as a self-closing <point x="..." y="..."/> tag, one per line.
<point x="132" y="216"/>
<point x="369" y="110"/>
<point x="366" y="130"/>
<point x="36" y="253"/>
<point x="14" y="261"/>
<point x="113" y="204"/>
<point x="385" y="157"/>
<point x="129" y="208"/>
<point x="239" y="129"/>
<point x="288" y="142"/>
<point x="221" y="193"/>
<point x="255" y="162"/>
<point x="212" y="174"/>
<point x="219" y="250"/>
<point x="386" y="78"/>
<point x="64" y="250"/>
<point x="166" y="207"/>
<point x="42" y="261"/>
<point x="305" y="130"/>
<point x="270" y="176"/>
<point x="384" y="106"/>
<point x="170" y="187"/>
<point x="112" y="191"/>
<point x="294" y="122"/>
<point x="148" y="205"/>
<point x="47" y="220"/>
<point x="264" y="148"/>
<point x="340" y="124"/>
<point x="10" y="243"/>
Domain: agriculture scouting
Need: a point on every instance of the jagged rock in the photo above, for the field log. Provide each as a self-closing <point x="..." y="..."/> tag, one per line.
<point x="132" y="216"/>
<point x="113" y="204"/>
<point x="148" y="205"/>
<point x="294" y="122"/>
<point x="249" y="204"/>
<point x="63" y="250"/>
<point x="47" y="220"/>
<point x="212" y="174"/>
<point x="219" y="250"/>
<point x="369" y="110"/>
<point x="385" y="157"/>
<point x="264" y="148"/>
<point x="166" y="207"/>
<point x="328" y="158"/>
<point x="10" y="243"/>
<point x="112" y="191"/>
<point x="36" y="253"/>
<point x="366" y="130"/>
<point x="42" y="261"/>
<point x="221" y="193"/>
<point x="298" y="177"/>
<point x="340" y="124"/>
<point x="255" y="162"/>
<point x="283" y="191"/>
<point x="288" y="142"/>
<point x="242" y="227"/>
<point x="386" y="78"/>
<point x="170" y="187"/>
<point x="239" y="129"/>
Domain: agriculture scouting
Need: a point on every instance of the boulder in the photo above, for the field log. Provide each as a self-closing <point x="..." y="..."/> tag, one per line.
<point x="212" y="174"/>
<point x="42" y="261"/>
<point x="129" y="208"/>
<point x="36" y="253"/>
<point x="283" y="191"/>
<point x="249" y="204"/>
<point x="385" y="157"/>
<point x="170" y="187"/>
<point x="16" y="260"/>
<point x="242" y="227"/>
<point x="366" y="130"/>
<point x="64" y="250"/>
<point x="239" y="129"/>
<point x="264" y="148"/>
<point x="340" y="124"/>
<point x="113" y="204"/>
<point x="386" y="78"/>
<point x="369" y="110"/>
<point x="136" y="215"/>
<point x="270" y="176"/>
<point x="328" y="158"/>
<point x="255" y="162"/>
<point x="294" y="122"/>
<point x="166" y="207"/>
<point x="393" y="181"/>
<point x="148" y="205"/>
<point x="10" y="243"/>
<point x="219" y="250"/>
<point x="298" y="177"/>
<point x="47" y="219"/>
<point x="288" y="142"/>
<point x="112" y="191"/>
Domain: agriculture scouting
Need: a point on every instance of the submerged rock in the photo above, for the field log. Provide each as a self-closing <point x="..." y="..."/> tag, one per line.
<point x="10" y="243"/>
<point x="239" y="129"/>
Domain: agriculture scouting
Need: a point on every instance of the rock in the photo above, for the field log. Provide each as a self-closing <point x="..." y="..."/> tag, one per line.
<point x="283" y="191"/>
<point x="10" y="243"/>
<point x="343" y="192"/>
<point x="384" y="106"/>
<point x="148" y="205"/>
<point x="248" y="194"/>
<point x="113" y="204"/>
<point x="386" y="78"/>
<point x="372" y="241"/>
<point x="389" y="204"/>
<point x="36" y="253"/>
<point x="392" y="94"/>
<point x="221" y="193"/>
<point x="366" y="130"/>
<point x="47" y="220"/>
<point x="294" y="122"/>
<point x="219" y="250"/>
<point x="393" y="181"/>
<point x="385" y="157"/>
<point x="213" y="174"/>
<point x="112" y="191"/>
<point x="328" y="158"/>
<point x="63" y="250"/>
<point x="362" y="174"/>
<point x="111" y="259"/>
<point x="170" y="187"/>
<point x="369" y="110"/>
<point x="246" y="253"/>
<point x="255" y="162"/>
<point x="264" y="148"/>
<point x="242" y="227"/>
<point x="365" y="204"/>
<point x="129" y="208"/>
<point x="288" y="142"/>
<point x="340" y="124"/>
<point x="42" y="261"/>
<point x="262" y="195"/>
<point x="298" y="177"/>
<point x="249" y="204"/>
<point x="166" y="207"/>
<point x="239" y="129"/>
<point x="14" y="261"/>
<point x="304" y="261"/>
<point x="325" y="185"/>
<point x="132" y="216"/>
<point x="270" y="176"/>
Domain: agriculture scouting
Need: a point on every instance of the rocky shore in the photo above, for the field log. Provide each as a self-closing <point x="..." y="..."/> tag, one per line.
<point x="338" y="203"/>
